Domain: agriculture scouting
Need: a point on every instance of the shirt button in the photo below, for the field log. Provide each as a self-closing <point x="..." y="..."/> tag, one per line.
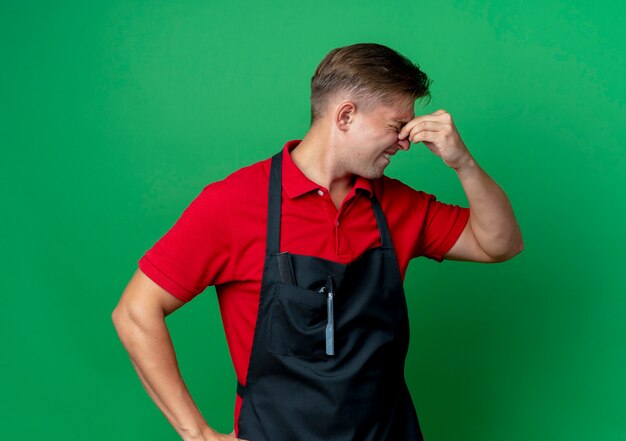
<point x="320" y="192"/>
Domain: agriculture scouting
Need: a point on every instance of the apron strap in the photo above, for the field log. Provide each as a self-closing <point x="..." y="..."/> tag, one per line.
<point x="274" y="204"/>
<point x="385" y="236"/>
<point x="241" y="389"/>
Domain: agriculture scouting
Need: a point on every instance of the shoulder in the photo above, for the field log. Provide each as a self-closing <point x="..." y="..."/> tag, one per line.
<point x="244" y="183"/>
<point x="393" y="191"/>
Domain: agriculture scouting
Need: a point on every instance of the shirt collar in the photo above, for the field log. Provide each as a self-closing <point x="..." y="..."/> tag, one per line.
<point x="296" y="183"/>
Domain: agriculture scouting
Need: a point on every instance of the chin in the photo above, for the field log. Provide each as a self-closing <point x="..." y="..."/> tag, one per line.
<point x="374" y="171"/>
<point x="373" y="174"/>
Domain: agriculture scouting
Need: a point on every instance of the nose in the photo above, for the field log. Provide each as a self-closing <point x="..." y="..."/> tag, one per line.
<point x="404" y="144"/>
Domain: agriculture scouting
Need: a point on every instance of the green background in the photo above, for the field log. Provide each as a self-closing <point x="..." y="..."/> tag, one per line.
<point x="115" y="114"/>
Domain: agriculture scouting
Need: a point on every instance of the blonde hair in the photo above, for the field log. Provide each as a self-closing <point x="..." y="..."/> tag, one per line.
<point x="371" y="74"/>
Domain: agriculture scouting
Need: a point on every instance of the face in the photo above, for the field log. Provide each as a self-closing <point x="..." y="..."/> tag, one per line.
<point x="371" y="139"/>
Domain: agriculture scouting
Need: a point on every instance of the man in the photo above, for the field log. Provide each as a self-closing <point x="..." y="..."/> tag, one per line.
<point x="308" y="251"/>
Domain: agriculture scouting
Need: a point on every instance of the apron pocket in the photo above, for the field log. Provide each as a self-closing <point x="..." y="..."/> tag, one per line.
<point x="298" y="322"/>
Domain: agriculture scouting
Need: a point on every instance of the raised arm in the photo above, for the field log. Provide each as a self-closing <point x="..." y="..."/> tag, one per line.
<point x="139" y="319"/>
<point x="492" y="233"/>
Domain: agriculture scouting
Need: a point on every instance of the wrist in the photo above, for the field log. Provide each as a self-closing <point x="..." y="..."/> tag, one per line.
<point x="199" y="434"/>
<point x="466" y="166"/>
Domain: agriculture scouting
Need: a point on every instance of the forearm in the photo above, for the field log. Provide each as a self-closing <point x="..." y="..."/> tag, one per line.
<point x="491" y="215"/>
<point x="150" y="348"/>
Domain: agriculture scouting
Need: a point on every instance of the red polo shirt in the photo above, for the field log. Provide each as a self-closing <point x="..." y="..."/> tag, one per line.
<point x="219" y="238"/>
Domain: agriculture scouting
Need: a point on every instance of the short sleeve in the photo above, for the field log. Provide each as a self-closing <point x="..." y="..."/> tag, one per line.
<point x="442" y="226"/>
<point x="196" y="251"/>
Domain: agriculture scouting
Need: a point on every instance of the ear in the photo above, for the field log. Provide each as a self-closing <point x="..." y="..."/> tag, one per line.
<point x="344" y="115"/>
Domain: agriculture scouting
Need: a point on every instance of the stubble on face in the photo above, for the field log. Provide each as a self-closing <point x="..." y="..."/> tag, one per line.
<point x="362" y="163"/>
<point x="375" y="133"/>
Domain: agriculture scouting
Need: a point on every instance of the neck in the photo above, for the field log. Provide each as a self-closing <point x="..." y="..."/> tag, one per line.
<point x="316" y="157"/>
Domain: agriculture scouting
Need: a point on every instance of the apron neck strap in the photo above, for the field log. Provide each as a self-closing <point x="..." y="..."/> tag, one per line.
<point x="274" y="209"/>
<point x="385" y="236"/>
<point x="274" y="204"/>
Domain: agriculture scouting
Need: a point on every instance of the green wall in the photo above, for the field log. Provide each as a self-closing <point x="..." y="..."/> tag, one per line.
<point x="115" y="114"/>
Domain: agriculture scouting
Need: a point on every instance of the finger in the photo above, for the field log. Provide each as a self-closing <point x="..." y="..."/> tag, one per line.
<point x="425" y="135"/>
<point x="424" y="121"/>
<point x="431" y="126"/>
